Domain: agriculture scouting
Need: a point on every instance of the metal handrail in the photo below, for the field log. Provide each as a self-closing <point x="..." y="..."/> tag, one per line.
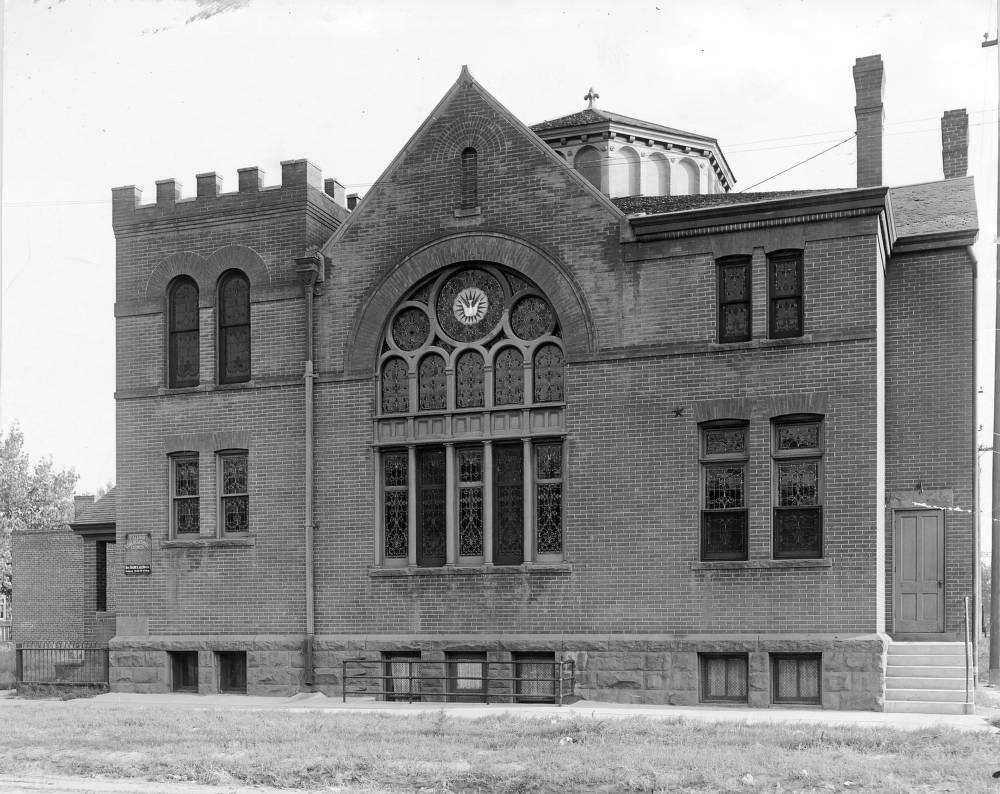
<point x="968" y="641"/>
<point x="563" y="681"/>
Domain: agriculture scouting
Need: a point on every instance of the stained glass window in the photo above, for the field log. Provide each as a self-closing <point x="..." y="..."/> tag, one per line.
<point x="548" y="374"/>
<point x="508" y="504"/>
<point x="411" y="328"/>
<point x="469" y="369"/>
<point x="548" y="497"/>
<point x="395" y="484"/>
<point x="508" y="377"/>
<point x="724" y="514"/>
<point x="470" y="502"/>
<point x="734" y="299"/>
<point x="798" y="510"/>
<point x="186" y="503"/>
<point x="785" y="294"/>
<point x="234" y="328"/>
<point x="395" y="387"/>
<point x="432" y="384"/>
<point x="431" y="531"/>
<point x="531" y="318"/>
<point x="235" y="497"/>
<point x="184" y="352"/>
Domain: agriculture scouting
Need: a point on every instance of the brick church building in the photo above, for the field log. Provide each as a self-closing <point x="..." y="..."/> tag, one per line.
<point x="545" y="394"/>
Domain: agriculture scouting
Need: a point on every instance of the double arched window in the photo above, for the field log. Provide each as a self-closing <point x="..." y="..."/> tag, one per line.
<point x="471" y="395"/>
<point x="233" y="331"/>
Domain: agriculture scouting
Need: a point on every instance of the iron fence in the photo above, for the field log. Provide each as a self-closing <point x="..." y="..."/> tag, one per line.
<point x="459" y="680"/>
<point x="58" y="665"/>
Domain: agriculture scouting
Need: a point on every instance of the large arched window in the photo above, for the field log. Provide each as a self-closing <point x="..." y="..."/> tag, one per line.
<point x="469" y="425"/>
<point x="588" y="163"/>
<point x="183" y="345"/>
<point x="234" y="327"/>
<point x="625" y="173"/>
<point x="688" y="180"/>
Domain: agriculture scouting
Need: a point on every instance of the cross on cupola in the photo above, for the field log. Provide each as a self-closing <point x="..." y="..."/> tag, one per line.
<point x="591" y="96"/>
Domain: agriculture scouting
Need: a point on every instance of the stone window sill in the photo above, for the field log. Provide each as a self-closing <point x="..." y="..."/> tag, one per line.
<point x="206" y="543"/>
<point x="467" y="212"/>
<point x="476" y="570"/>
<point x="741" y="565"/>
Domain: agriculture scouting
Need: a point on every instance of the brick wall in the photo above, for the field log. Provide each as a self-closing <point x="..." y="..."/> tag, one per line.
<point x="49" y="587"/>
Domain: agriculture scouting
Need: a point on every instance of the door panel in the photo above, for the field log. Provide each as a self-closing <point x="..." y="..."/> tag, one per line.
<point x="919" y="551"/>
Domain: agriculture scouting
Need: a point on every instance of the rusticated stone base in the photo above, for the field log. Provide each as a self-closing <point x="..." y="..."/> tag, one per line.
<point x="653" y="669"/>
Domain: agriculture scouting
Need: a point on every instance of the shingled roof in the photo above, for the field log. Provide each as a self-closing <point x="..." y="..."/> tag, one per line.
<point x="100" y="512"/>
<point x="947" y="205"/>
<point x="653" y="205"/>
<point x="598" y="116"/>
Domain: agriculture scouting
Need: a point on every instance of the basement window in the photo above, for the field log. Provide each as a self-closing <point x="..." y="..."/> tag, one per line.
<point x="795" y="678"/>
<point x="534" y="677"/>
<point x="184" y="671"/>
<point x="232" y="672"/>
<point x="723" y="678"/>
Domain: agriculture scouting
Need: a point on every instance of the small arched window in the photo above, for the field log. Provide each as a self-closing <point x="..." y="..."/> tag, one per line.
<point x="470" y="179"/>
<point x="183" y="353"/>
<point x="588" y="163"/>
<point x="234" y="328"/>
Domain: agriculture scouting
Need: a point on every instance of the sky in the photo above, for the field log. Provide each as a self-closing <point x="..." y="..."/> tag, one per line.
<point x="102" y="93"/>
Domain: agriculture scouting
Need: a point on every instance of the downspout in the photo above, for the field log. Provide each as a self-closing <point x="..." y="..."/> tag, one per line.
<point x="310" y="269"/>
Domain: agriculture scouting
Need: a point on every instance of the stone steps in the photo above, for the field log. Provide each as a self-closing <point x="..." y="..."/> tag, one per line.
<point x="926" y="678"/>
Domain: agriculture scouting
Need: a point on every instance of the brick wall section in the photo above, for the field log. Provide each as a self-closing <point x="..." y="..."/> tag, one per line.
<point x="49" y="587"/>
<point x="955" y="143"/>
<point x="930" y="403"/>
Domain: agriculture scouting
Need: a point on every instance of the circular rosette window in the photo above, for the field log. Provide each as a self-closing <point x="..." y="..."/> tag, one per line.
<point x="410" y="329"/>
<point x="469" y="305"/>
<point x="531" y="318"/>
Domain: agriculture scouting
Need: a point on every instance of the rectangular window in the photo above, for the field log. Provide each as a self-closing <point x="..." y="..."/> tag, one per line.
<point x="467" y="677"/>
<point x="785" y="294"/>
<point x="508" y="504"/>
<point x="534" y="677"/>
<point x="395" y="504"/>
<point x="795" y="677"/>
<point x="101" y="575"/>
<point x="232" y="671"/>
<point x="401" y="675"/>
<point x="723" y="678"/>
<point x="724" y="509"/>
<point x="431" y="500"/>
<point x="798" y="511"/>
<point x="184" y="671"/>
<point x="470" y="502"/>
<point x="185" y="503"/>
<point x="734" y="297"/>
<point x="548" y="497"/>
<point x="234" y="499"/>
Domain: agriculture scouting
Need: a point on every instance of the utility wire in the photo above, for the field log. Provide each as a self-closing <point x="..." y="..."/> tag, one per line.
<point x="848" y="138"/>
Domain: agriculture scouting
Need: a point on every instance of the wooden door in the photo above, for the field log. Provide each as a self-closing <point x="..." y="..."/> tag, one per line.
<point x="919" y="564"/>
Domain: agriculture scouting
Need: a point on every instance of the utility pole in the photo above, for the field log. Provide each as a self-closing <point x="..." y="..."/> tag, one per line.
<point x="995" y="510"/>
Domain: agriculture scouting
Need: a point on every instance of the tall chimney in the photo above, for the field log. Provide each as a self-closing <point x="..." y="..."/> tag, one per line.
<point x="955" y="143"/>
<point x="869" y="86"/>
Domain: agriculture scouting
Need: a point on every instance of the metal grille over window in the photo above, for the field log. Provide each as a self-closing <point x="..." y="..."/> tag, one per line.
<point x="534" y="674"/>
<point x="796" y="678"/>
<point x="724" y="515"/>
<point x="469" y="374"/>
<point x="235" y="498"/>
<point x="431" y="537"/>
<point x="234" y="328"/>
<point x="785" y="294"/>
<point x="508" y="369"/>
<point x="432" y="384"/>
<point x="531" y="318"/>
<point x="724" y="678"/>
<point x="548" y="374"/>
<point x="548" y="497"/>
<point x="186" y="501"/>
<point x="184" y="351"/>
<point x="396" y="504"/>
<point x="734" y="299"/>
<point x="411" y="328"/>
<point x="470" y="502"/>
<point x="798" y="511"/>
<point x="395" y="387"/>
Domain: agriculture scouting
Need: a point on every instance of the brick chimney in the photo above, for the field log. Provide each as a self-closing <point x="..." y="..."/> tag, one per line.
<point x="869" y="86"/>
<point x="81" y="503"/>
<point x="352" y="200"/>
<point x="955" y="143"/>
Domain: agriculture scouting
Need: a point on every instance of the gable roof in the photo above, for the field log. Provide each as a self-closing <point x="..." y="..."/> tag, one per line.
<point x="98" y="517"/>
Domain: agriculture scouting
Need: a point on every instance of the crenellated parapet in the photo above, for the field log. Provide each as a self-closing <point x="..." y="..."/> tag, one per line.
<point x="302" y="183"/>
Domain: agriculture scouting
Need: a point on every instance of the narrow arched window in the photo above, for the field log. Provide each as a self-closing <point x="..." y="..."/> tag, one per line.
<point x="234" y="328"/>
<point x="470" y="178"/>
<point x="183" y="353"/>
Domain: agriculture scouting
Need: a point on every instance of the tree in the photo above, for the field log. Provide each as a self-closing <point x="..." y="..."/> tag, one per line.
<point x="31" y="499"/>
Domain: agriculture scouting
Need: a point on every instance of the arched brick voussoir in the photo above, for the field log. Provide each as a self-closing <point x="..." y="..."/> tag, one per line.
<point x="206" y="272"/>
<point x="551" y="276"/>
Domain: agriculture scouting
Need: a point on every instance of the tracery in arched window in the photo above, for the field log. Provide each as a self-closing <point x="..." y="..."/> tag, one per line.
<point x="234" y="328"/>
<point x="469" y="368"/>
<point x="395" y="387"/>
<point x="432" y="384"/>
<point x="548" y="374"/>
<point x="508" y="377"/>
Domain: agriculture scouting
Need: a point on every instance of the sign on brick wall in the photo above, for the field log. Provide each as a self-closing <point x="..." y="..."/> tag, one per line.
<point x="138" y="554"/>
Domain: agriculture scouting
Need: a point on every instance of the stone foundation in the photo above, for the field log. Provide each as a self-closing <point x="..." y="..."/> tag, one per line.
<point x="653" y="669"/>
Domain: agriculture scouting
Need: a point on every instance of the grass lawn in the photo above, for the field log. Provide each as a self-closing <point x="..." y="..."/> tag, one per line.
<point x="441" y="753"/>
